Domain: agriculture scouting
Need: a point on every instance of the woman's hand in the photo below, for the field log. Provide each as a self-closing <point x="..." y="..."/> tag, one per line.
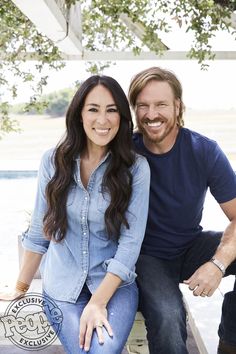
<point x="94" y="317"/>
<point x="11" y="295"/>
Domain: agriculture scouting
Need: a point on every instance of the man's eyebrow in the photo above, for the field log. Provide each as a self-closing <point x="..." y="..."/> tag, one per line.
<point x="147" y="103"/>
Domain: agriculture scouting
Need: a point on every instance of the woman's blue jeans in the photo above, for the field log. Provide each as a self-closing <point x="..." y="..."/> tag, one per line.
<point x="121" y="308"/>
<point x="161" y="301"/>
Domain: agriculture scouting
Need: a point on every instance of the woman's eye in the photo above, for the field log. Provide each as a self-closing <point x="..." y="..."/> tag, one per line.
<point x="93" y="110"/>
<point x="111" y="110"/>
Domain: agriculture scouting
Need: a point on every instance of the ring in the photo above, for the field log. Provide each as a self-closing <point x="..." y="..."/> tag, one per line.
<point x="99" y="325"/>
<point x="203" y="294"/>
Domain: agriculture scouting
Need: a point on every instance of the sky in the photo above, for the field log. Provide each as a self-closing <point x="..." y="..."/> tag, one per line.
<point x="211" y="89"/>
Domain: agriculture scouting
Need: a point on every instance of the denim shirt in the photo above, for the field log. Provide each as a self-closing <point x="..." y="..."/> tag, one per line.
<point x="86" y="253"/>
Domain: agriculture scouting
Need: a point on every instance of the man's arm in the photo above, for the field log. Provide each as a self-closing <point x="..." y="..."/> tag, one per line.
<point x="226" y="251"/>
<point x="207" y="278"/>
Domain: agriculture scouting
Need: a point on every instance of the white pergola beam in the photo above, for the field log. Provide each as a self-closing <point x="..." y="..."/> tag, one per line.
<point x="139" y="30"/>
<point x="50" y="19"/>
<point x="113" y="56"/>
<point x="167" y="55"/>
<point x="233" y="19"/>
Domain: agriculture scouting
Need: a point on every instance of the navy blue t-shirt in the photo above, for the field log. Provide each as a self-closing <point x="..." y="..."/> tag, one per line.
<point x="179" y="181"/>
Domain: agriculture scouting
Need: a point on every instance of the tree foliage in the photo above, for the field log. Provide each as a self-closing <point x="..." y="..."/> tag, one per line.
<point x="18" y="38"/>
<point x="104" y="29"/>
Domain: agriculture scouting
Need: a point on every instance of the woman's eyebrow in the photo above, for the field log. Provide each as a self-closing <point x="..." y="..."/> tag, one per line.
<point x="97" y="105"/>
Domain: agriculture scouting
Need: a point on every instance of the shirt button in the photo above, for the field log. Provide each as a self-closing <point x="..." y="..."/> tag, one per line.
<point x="85" y="271"/>
<point x="84" y="233"/>
<point x="85" y="198"/>
<point x="83" y="217"/>
<point x="84" y="252"/>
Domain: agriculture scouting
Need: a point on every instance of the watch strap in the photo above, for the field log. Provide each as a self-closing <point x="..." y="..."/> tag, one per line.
<point x="219" y="265"/>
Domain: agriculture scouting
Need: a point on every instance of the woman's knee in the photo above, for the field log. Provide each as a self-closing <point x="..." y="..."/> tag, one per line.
<point x="111" y="345"/>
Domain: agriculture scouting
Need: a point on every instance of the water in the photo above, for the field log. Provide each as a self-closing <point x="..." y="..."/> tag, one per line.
<point x="16" y="204"/>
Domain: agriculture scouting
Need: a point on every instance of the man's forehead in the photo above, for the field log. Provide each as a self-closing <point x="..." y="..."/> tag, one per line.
<point x="155" y="91"/>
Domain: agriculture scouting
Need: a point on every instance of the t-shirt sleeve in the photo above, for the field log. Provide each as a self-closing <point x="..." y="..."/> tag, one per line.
<point x="221" y="176"/>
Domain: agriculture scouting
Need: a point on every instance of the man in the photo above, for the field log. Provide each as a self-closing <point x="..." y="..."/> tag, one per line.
<point x="175" y="248"/>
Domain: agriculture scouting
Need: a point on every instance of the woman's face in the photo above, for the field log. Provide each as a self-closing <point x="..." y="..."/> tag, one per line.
<point x="100" y="117"/>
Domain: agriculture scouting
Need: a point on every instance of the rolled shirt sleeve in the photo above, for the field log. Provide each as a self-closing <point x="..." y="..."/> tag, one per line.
<point x="33" y="239"/>
<point x="130" y="241"/>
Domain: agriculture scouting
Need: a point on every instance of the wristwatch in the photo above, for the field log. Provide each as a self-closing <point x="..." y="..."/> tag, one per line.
<point x="219" y="265"/>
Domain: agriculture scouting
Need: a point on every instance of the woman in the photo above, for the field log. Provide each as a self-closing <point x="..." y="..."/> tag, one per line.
<point x="89" y="221"/>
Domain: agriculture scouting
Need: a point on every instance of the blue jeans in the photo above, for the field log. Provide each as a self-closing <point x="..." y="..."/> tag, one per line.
<point x="121" y="308"/>
<point x="161" y="301"/>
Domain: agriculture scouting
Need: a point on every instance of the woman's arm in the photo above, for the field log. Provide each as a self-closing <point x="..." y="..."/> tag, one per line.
<point x="30" y="264"/>
<point x="95" y="313"/>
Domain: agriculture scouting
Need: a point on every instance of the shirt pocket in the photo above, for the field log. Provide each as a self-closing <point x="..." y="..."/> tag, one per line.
<point x="104" y="200"/>
<point x="71" y="194"/>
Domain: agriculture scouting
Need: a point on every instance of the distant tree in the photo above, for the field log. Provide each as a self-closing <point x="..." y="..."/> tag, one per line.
<point x="54" y="104"/>
<point x="58" y="102"/>
<point x="104" y="28"/>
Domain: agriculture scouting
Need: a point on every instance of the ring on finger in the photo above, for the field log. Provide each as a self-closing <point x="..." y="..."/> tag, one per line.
<point x="100" y="325"/>
<point x="203" y="294"/>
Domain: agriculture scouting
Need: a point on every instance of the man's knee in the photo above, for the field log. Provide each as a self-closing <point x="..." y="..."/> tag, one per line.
<point x="164" y="312"/>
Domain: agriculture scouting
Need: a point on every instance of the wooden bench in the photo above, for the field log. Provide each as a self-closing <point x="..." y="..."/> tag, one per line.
<point x="203" y="319"/>
<point x="137" y="342"/>
<point x="204" y="315"/>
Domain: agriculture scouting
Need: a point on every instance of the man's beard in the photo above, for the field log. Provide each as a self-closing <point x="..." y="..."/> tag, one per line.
<point x="155" y="137"/>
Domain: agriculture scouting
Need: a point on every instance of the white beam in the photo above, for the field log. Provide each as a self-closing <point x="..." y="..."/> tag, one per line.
<point x="138" y="29"/>
<point x="51" y="19"/>
<point x="233" y="19"/>
<point x="167" y="55"/>
<point x="113" y="56"/>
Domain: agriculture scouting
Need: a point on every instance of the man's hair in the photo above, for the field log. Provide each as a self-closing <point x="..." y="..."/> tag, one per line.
<point x="140" y="80"/>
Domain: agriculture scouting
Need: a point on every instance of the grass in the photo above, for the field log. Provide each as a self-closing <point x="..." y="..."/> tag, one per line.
<point x="40" y="133"/>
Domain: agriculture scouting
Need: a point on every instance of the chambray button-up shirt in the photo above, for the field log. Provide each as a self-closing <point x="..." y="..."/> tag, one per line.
<point x="86" y="253"/>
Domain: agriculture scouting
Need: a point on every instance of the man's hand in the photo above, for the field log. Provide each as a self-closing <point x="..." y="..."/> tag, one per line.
<point x="94" y="317"/>
<point x="205" y="280"/>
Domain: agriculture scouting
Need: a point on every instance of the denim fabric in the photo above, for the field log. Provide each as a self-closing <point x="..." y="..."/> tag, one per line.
<point x="86" y="253"/>
<point x="161" y="300"/>
<point x="121" y="313"/>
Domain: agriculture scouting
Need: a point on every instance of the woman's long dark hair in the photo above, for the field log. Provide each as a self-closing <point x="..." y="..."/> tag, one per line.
<point x="117" y="179"/>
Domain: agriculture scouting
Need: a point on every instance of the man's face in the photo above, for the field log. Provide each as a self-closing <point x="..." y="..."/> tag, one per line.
<point x="156" y="113"/>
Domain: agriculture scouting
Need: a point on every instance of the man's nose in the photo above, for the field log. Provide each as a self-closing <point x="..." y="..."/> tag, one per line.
<point x="152" y="112"/>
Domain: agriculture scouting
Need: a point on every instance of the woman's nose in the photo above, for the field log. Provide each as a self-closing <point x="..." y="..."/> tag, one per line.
<point x="102" y="118"/>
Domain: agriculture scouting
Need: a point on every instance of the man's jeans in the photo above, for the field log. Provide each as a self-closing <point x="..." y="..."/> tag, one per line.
<point x="161" y="301"/>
